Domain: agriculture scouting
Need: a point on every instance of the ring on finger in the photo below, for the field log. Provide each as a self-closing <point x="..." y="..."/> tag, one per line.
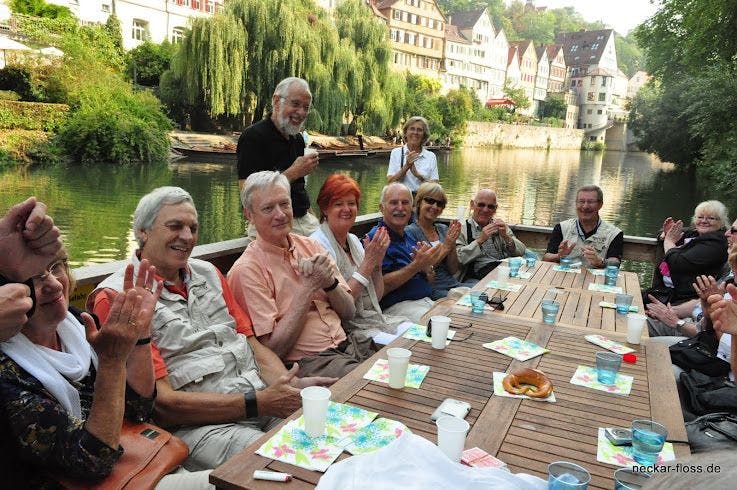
<point x="132" y="323"/>
<point x="149" y="289"/>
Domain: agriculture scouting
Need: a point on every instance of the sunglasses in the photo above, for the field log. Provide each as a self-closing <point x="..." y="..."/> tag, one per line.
<point x="483" y="205"/>
<point x="732" y="231"/>
<point x="428" y="332"/>
<point x="438" y="202"/>
<point x="497" y="303"/>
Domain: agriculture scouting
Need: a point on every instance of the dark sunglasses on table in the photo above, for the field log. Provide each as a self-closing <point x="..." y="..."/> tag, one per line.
<point x="483" y="205"/>
<point x="497" y="302"/>
<point x="428" y="332"/>
<point x="438" y="202"/>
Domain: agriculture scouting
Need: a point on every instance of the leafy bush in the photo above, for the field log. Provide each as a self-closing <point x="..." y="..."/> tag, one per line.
<point x="147" y="62"/>
<point x="15" y="145"/>
<point x="20" y="80"/>
<point x="40" y="8"/>
<point x="593" y="146"/>
<point x="9" y="95"/>
<point x="31" y="116"/>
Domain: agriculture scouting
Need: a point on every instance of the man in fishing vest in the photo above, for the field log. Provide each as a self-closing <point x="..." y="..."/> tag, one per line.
<point x="217" y="387"/>
<point x="484" y="241"/>
<point x="276" y="143"/>
<point x="587" y="238"/>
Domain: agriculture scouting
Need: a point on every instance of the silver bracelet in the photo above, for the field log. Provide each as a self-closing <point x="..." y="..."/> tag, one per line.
<point x="361" y="278"/>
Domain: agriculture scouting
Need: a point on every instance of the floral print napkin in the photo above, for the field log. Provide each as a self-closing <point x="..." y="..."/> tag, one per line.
<point x="375" y="435"/>
<point x="606" y="452"/>
<point x="380" y="372"/>
<point x="604" y="342"/>
<point x="292" y="445"/>
<point x="516" y="348"/>
<point x="494" y="284"/>
<point x="586" y="376"/>
<point x="603" y="288"/>
<point x="418" y="332"/>
<point x="343" y="420"/>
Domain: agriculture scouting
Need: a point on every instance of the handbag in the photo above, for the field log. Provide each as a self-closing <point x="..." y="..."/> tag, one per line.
<point x="702" y="394"/>
<point x="699" y="353"/>
<point x="712" y="432"/>
<point x="149" y="454"/>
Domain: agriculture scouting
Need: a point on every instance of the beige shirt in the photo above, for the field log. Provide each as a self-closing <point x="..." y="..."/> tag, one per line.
<point x="264" y="280"/>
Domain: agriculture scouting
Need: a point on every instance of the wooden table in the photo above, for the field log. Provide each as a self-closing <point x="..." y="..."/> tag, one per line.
<point x="579" y="306"/>
<point x="526" y="434"/>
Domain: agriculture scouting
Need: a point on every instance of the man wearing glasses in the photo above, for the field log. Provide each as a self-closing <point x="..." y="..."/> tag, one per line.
<point x="276" y="143"/>
<point x="587" y="238"/>
<point x="484" y="241"/>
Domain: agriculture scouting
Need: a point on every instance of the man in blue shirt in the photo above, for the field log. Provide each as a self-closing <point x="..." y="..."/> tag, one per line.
<point x="407" y="266"/>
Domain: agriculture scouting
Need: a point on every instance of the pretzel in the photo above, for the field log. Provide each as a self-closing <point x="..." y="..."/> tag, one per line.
<point x="529" y="382"/>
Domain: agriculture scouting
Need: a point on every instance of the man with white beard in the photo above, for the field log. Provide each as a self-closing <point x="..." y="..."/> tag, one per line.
<point x="276" y="143"/>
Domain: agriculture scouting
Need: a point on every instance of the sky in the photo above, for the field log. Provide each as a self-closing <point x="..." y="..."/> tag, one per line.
<point x="622" y="15"/>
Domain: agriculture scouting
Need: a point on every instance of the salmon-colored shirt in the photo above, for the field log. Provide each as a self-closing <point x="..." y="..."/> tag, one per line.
<point x="264" y="281"/>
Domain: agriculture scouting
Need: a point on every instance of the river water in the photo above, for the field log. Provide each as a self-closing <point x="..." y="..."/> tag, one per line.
<point x="93" y="206"/>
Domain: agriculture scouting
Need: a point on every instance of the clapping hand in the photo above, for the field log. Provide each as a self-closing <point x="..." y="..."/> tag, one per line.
<point x="723" y="312"/>
<point x="565" y="248"/>
<point x="376" y="248"/>
<point x="315" y="272"/>
<point x="675" y="232"/>
<point x="454" y="231"/>
<point x="706" y="286"/>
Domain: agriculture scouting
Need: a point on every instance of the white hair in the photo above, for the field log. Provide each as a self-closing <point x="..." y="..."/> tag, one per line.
<point x="283" y="88"/>
<point x="261" y="180"/>
<point x="712" y="207"/>
<point x="150" y="205"/>
<point x="386" y="188"/>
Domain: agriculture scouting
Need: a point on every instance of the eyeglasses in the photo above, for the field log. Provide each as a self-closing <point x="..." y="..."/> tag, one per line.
<point x="710" y="219"/>
<point x="482" y="205"/>
<point x="295" y="104"/>
<point x="438" y="202"/>
<point x="732" y="231"/>
<point x="58" y="269"/>
<point x="584" y="202"/>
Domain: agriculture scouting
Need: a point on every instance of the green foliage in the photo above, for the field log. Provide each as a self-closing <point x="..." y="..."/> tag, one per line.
<point x="555" y="106"/>
<point x="518" y="96"/>
<point x="114" y="32"/>
<point x="31" y="116"/>
<point x="9" y="95"/>
<point x="455" y="109"/>
<point x="147" y="62"/>
<point x="20" y="80"/>
<point x="593" y="146"/>
<point x="16" y="144"/>
<point x="493" y="114"/>
<point x="39" y="8"/>
<point x="629" y="56"/>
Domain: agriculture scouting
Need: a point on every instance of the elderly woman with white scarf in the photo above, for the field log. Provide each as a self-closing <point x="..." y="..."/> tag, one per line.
<point x="64" y="386"/>
<point x="338" y="202"/>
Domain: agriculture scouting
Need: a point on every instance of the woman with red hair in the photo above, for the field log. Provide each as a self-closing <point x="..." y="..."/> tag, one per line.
<point x="338" y="202"/>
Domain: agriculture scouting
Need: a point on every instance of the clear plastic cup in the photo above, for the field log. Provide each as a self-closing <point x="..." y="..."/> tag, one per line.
<point x="550" y="310"/>
<point x="565" y="263"/>
<point x="648" y="438"/>
<point x="502" y="275"/>
<point x="477" y="304"/>
<point x="514" y="265"/>
<point x="623" y="302"/>
<point x="607" y="367"/>
<point x="627" y="479"/>
<point x="452" y="436"/>
<point x="563" y="475"/>
<point x="398" y="363"/>
<point x="315" y="401"/>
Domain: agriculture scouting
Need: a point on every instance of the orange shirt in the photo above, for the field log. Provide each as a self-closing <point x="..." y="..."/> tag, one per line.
<point x="264" y="280"/>
<point x="243" y="323"/>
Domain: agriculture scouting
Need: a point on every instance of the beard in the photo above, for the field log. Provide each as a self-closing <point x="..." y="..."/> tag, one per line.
<point x="287" y="127"/>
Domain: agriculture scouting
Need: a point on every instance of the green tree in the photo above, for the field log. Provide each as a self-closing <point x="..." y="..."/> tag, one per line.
<point x="147" y="62"/>
<point x="39" y="8"/>
<point x="516" y="95"/>
<point x="629" y="56"/>
<point x="455" y="108"/>
<point x="555" y="106"/>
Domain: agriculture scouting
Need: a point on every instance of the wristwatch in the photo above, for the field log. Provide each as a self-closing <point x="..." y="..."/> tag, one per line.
<point x="680" y="323"/>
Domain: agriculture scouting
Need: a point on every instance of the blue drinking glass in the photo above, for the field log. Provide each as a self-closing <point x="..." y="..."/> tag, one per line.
<point x="610" y="275"/>
<point x="514" y="264"/>
<point x="607" y="367"/>
<point x="648" y="438"/>
<point x="565" y="263"/>
<point x="563" y="475"/>
<point x="550" y="310"/>
<point x="477" y="303"/>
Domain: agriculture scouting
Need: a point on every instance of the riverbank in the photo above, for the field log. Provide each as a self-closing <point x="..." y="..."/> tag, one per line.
<point x="518" y="136"/>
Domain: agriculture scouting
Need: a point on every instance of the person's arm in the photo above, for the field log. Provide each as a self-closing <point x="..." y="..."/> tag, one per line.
<point x="684" y="310"/>
<point x="699" y="256"/>
<point x="15" y="302"/>
<point x="422" y="259"/>
<point x="370" y="267"/>
<point x="733" y="356"/>
<point x="340" y="297"/>
<point x="467" y="251"/>
<point x="397" y="167"/>
<point x="449" y="249"/>
<point x="556" y="237"/>
<point x="174" y="407"/>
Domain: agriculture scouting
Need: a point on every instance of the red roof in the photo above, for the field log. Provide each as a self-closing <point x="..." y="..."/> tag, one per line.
<point x="500" y="102"/>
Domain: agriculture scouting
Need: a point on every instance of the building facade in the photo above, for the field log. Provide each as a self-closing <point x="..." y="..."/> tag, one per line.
<point x="541" y="80"/>
<point x="416" y="34"/>
<point x="528" y="72"/>
<point x="141" y="20"/>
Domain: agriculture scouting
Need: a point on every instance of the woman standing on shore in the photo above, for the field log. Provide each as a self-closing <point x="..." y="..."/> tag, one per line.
<point x="411" y="164"/>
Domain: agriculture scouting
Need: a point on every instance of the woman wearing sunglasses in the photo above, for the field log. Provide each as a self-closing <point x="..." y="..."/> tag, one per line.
<point x="429" y="205"/>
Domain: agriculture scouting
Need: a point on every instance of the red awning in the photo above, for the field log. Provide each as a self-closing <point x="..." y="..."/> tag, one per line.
<point x="506" y="102"/>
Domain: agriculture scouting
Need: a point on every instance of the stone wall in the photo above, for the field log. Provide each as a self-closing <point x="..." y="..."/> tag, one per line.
<point x="522" y="136"/>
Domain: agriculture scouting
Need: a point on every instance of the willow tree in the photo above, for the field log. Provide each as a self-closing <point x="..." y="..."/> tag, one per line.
<point x="232" y="61"/>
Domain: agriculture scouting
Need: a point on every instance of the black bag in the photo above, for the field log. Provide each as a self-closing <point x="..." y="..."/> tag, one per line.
<point x="702" y="394"/>
<point x="699" y="353"/>
<point x="663" y="294"/>
<point x="712" y="432"/>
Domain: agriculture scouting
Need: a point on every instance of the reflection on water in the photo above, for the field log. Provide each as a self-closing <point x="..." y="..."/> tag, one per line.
<point x="93" y="206"/>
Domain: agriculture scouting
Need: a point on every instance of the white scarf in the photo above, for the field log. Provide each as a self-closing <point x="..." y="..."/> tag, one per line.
<point x="52" y="368"/>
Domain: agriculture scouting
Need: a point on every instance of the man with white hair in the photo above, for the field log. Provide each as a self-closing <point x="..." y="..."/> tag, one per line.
<point x="217" y="386"/>
<point x="276" y="143"/>
<point x="292" y="287"/>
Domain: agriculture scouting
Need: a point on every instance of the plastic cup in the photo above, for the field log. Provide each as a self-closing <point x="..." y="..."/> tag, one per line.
<point x="310" y="151"/>
<point x="452" y="436"/>
<point x="550" y="310"/>
<point x="440" y="325"/>
<point x="315" y="409"/>
<point x="514" y="264"/>
<point x="623" y="302"/>
<point x="530" y="259"/>
<point x="398" y="362"/>
<point x="607" y="367"/>
<point x="635" y="324"/>
<point x="563" y="475"/>
<point x="648" y="438"/>
<point x="477" y="304"/>
<point x="502" y="276"/>
<point x="461" y="213"/>
<point x="565" y="263"/>
<point x="627" y="479"/>
<point x="610" y="275"/>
